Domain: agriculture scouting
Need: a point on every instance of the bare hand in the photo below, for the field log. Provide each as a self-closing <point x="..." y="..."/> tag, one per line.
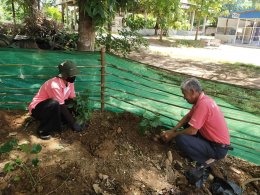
<point x="166" y="136"/>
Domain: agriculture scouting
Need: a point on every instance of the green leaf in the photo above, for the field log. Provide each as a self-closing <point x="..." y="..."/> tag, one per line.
<point x="36" y="148"/>
<point x="143" y="123"/>
<point x="17" y="178"/>
<point x="142" y="130"/>
<point x="8" y="146"/>
<point x="25" y="148"/>
<point x="8" y="167"/>
<point x="35" y="162"/>
<point x="18" y="161"/>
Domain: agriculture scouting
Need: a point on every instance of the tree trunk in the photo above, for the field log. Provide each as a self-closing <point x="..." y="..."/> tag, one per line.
<point x="226" y="27"/>
<point x="39" y="4"/>
<point x="62" y="14"/>
<point x="156" y="27"/>
<point x="109" y="36"/>
<point x="198" y="28"/>
<point x="204" y="25"/>
<point x="13" y="10"/>
<point x="33" y="9"/>
<point x="192" y="20"/>
<point x="87" y="35"/>
<point x="161" y="33"/>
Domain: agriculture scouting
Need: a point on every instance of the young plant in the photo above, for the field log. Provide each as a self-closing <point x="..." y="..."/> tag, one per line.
<point x="82" y="108"/>
<point x="19" y="163"/>
<point x="149" y="124"/>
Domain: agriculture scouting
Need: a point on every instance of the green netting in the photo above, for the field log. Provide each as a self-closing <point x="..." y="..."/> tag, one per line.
<point x="129" y="86"/>
<point x="24" y="71"/>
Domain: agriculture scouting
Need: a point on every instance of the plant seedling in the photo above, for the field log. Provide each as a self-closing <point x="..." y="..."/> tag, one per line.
<point x="18" y="163"/>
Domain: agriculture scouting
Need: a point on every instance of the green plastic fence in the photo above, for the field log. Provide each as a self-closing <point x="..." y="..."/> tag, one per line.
<point x="129" y="86"/>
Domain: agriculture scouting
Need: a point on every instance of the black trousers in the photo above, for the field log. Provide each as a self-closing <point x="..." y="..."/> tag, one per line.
<point x="199" y="149"/>
<point x="51" y="115"/>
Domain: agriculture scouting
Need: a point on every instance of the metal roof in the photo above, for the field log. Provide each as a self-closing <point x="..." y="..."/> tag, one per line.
<point x="252" y="14"/>
<point x="247" y="14"/>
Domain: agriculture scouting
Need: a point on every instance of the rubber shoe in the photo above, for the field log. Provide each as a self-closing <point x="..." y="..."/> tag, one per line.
<point x="44" y="135"/>
<point x="76" y="127"/>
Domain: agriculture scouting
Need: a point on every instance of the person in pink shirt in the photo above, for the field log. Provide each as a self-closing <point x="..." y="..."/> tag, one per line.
<point x="205" y="134"/>
<point x="49" y="104"/>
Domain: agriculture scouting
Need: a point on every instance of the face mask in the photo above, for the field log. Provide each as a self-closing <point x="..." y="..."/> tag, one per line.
<point x="71" y="79"/>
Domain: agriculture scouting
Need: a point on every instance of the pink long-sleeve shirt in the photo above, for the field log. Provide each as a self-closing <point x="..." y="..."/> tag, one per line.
<point x="54" y="88"/>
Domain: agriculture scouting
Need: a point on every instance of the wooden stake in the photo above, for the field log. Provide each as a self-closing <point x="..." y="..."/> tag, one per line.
<point x="103" y="50"/>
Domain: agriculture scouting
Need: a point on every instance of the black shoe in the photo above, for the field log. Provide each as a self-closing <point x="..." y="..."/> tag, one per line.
<point x="77" y="127"/>
<point x="44" y="135"/>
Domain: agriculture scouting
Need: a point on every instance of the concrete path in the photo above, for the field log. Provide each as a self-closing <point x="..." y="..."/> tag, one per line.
<point x="223" y="53"/>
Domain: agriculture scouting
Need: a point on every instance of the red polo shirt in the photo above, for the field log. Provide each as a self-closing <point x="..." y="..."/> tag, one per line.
<point x="206" y="116"/>
<point x="54" y="88"/>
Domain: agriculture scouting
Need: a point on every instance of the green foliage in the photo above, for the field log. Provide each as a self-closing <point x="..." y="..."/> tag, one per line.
<point x="82" y="107"/>
<point x="36" y="148"/>
<point x="53" y="13"/>
<point x="149" y="123"/>
<point x="124" y="43"/>
<point x="166" y="12"/>
<point x="137" y="22"/>
<point x="126" y="40"/>
<point x="100" y="11"/>
<point x="19" y="163"/>
<point x="6" y="14"/>
<point x="9" y="167"/>
<point x="8" y="146"/>
<point x="187" y="43"/>
<point x="63" y="40"/>
<point x="25" y="148"/>
<point x="35" y="162"/>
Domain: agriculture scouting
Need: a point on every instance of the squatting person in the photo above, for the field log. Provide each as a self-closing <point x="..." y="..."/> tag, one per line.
<point x="48" y="105"/>
<point x="206" y="135"/>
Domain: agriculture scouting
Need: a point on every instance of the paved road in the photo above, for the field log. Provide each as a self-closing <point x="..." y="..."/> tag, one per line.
<point x="223" y="53"/>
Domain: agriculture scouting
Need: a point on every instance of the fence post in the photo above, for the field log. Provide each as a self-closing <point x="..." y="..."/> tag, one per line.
<point x="103" y="50"/>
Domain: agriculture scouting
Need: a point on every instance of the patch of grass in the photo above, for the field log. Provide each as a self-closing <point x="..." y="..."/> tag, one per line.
<point x="247" y="68"/>
<point x="178" y="43"/>
<point x="188" y="43"/>
<point x="245" y="99"/>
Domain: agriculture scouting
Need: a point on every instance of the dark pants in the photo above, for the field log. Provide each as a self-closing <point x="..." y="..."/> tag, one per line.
<point x="199" y="149"/>
<point x="51" y="114"/>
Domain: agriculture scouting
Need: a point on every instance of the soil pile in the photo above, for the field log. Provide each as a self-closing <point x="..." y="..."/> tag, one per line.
<point x="109" y="157"/>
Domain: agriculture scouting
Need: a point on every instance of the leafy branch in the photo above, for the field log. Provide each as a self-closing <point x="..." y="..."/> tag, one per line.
<point x="82" y="107"/>
<point x="149" y="123"/>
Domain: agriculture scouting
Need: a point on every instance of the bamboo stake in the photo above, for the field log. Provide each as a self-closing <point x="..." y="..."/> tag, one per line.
<point x="103" y="50"/>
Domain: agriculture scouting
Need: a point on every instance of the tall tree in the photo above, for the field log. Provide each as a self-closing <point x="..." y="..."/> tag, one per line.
<point x="206" y="8"/>
<point x="165" y="12"/>
<point x="93" y="14"/>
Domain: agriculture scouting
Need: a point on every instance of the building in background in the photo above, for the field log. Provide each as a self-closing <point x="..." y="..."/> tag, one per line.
<point x="240" y="28"/>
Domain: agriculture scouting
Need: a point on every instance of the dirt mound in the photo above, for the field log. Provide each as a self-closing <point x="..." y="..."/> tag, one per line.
<point x="110" y="157"/>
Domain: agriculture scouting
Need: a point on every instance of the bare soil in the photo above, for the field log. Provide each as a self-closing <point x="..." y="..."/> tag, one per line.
<point x="109" y="157"/>
<point x="199" y="62"/>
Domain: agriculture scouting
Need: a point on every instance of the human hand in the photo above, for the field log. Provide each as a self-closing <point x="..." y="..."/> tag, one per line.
<point x="166" y="136"/>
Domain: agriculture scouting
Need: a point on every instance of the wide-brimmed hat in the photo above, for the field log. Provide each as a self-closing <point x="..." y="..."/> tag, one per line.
<point x="68" y="69"/>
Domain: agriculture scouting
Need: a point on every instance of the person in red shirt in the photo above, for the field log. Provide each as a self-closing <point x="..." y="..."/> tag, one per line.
<point x="206" y="135"/>
<point x="48" y="105"/>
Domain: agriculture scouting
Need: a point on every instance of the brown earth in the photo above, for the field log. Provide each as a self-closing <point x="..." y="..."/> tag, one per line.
<point x="204" y="67"/>
<point x="110" y="157"/>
